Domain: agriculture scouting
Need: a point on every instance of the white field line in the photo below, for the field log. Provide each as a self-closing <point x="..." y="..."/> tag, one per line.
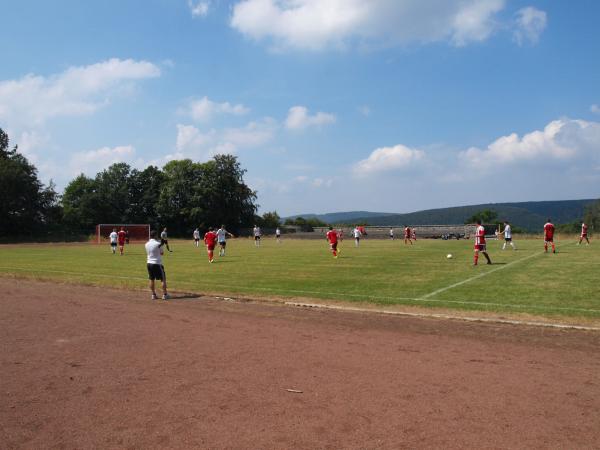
<point x="446" y="316"/>
<point x="476" y="277"/>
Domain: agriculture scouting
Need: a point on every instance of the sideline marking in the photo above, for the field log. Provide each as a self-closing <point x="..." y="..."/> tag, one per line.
<point x="446" y="316"/>
<point x="439" y="291"/>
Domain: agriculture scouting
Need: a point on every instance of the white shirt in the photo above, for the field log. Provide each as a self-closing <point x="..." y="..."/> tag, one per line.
<point x="277" y="231"/>
<point x="221" y="234"/>
<point x="507" y="232"/>
<point x="256" y="231"/>
<point x="391" y="232"/>
<point x="196" y="234"/>
<point x="154" y="252"/>
<point x="357" y="233"/>
<point x="163" y="235"/>
<point x="113" y="237"/>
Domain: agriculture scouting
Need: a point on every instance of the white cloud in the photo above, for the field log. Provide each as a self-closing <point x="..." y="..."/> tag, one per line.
<point x="298" y="118"/>
<point x="81" y="90"/>
<point x="204" y="109"/>
<point x="93" y="161"/>
<point x="389" y="158"/>
<point x="560" y="142"/>
<point x="364" y="110"/>
<point x="595" y="109"/>
<point x="318" y="24"/>
<point x="199" y="9"/>
<point x="193" y="143"/>
<point x="530" y="24"/>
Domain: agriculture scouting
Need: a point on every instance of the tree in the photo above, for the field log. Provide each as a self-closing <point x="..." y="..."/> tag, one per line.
<point x="486" y="216"/>
<point x="81" y="204"/>
<point x="270" y="220"/>
<point x="26" y="206"/>
<point x="112" y="188"/>
<point x="144" y="193"/>
<point x="592" y="215"/>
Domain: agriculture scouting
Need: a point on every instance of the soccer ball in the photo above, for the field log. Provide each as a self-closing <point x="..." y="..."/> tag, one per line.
<point x="449" y="256"/>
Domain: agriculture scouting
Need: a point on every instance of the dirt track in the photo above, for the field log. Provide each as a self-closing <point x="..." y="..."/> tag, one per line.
<point x="85" y="367"/>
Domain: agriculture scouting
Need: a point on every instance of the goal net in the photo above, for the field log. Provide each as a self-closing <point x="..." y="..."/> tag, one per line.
<point x="136" y="231"/>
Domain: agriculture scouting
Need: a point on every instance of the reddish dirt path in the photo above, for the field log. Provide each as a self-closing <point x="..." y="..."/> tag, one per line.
<point x="85" y="367"/>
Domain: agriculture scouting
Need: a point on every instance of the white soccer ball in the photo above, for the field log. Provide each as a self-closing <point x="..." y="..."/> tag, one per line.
<point x="449" y="256"/>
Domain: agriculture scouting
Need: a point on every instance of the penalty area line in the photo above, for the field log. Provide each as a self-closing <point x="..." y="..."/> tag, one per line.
<point x="476" y="277"/>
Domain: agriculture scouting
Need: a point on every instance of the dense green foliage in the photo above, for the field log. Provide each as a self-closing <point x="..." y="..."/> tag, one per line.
<point x="379" y="271"/>
<point x="486" y="216"/>
<point x="183" y="195"/>
<point x="27" y="207"/>
<point x="592" y="216"/>
<point x="305" y="224"/>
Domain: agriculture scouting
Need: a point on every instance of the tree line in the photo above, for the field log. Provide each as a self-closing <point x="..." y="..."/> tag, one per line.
<point x="182" y="195"/>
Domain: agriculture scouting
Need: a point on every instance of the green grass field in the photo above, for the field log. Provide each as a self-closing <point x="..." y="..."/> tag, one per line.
<point x="380" y="271"/>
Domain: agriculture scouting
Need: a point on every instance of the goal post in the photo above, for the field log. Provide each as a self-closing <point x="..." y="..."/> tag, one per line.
<point x="137" y="231"/>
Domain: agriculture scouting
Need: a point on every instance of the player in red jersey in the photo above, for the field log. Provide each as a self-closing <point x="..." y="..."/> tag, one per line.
<point x="121" y="236"/>
<point x="332" y="237"/>
<point x="407" y="235"/>
<point x="413" y="235"/>
<point x="210" y="238"/>
<point x="549" y="236"/>
<point x="584" y="235"/>
<point x="480" y="245"/>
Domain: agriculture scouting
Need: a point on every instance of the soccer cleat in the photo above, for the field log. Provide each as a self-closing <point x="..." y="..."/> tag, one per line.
<point x="166" y="297"/>
<point x="154" y="297"/>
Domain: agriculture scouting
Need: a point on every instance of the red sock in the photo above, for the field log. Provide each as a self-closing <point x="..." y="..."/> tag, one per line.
<point x="334" y="253"/>
<point x="210" y="255"/>
<point x="553" y="248"/>
<point x="545" y="247"/>
<point x="475" y="258"/>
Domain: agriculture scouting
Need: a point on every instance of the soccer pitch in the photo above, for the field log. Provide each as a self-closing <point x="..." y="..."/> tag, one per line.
<point x="382" y="272"/>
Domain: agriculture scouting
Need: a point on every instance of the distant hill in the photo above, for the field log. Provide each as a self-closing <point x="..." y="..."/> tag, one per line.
<point x="339" y="217"/>
<point x="528" y="215"/>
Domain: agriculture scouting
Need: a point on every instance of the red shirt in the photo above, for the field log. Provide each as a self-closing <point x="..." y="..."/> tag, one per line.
<point x="210" y="238"/>
<point x="121" y="235"/>
<point x="480" y="235"/>
<point x="332" y="237"/>
<point x="407" y="232"/>
<point x="583" y="229"/>
<point x="549" y="230"/>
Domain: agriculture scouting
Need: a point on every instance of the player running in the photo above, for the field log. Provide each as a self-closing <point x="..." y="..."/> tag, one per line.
<point x="480" y="244"/>
<point x="392" y="234"/>
<point x="156" y="270"/>
<point x="413" y="234"/>
<point x="549" y="236"/>
<point x="222" y="239"/>
<point x="113" y="240"/>
<point x="278" y="235"/>
<point x="507" y="236"/>
<point x="357" y="235"/>
<point x="332" y="237"/>
<point x="210" y="238"/>
<point x="164" y="239"/>
<point x="407" y="235"/>
<point x="257" y="234"/>
<point x="197" y="237"/>
<point x="121" y="236"/>
<point x="584" y="234"/>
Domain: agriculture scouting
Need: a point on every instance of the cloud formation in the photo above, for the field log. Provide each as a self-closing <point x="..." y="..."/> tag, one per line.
<point x="318" y="25"/>
<point x="530" y="24"/>
<point x="80" y="90"/>
<point x="560" y="142"/>
<point x="92" y="161"/>
<point x="298" y="118"/>
<point x="595" y="109"/>
<point x="204" y="109"/>
<point x="199" y="9"/>
<point x="386" y="159"/>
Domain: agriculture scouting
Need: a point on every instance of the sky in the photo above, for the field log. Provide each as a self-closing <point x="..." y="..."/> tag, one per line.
<point x="330" y="105"/>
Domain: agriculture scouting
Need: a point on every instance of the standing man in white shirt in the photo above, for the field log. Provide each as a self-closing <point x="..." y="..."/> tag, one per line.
<point x="197" y="237"/>
<point x="113" y="240"/>
<point x="257" y="233"/>
<point x="507" y="236"/>
<point x="357" y="235"/>
<point x="222" y="234"/>
<point x="164" y="239"/>
<point x="156" y="270"/>
<point x="278" y="235"/>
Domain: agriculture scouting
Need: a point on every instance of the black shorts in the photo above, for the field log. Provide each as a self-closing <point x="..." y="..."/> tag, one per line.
<point x="164" y="241"/>
<point x="113" y="244"/>
<point x="156" y="272"/>
<point x="223" y="244"/>
<point x="507" y="239"/>
<point x="196" y="239"/>
<point x="257" y="238"/>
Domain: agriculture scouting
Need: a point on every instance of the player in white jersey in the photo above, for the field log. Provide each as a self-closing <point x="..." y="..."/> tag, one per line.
<point x="357" y="235"/>
<point x="222" y="234"/>
<point x="507" y="236"/>
<point x="257" y="234"/>
<point x="392" y="234"/>
<point x="156" y="270"/>
<point x="164" y="239"/>
<point x="278" y="235"/>
<point x="197" y="237"/>
<point x="113" y="240"/>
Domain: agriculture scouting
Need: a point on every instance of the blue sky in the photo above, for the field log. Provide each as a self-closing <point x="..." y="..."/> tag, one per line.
<point x="330" y="105"/>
